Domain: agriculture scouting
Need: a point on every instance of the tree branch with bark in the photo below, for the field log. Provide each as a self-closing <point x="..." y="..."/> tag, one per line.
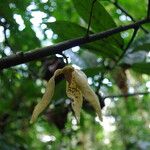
<point x="21" y="57"/>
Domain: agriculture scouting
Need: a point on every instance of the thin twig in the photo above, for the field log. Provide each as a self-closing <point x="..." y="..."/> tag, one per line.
<point x="126" y="95"/>
<point x="127" y="14"/>
<point x="21" y="57"/>
<point x="132" y="38"/>
<point x="128" y="45"/>
<point x="90" y="18"/>
<point x="148" y="10"/>
<point x="122" y="55"/>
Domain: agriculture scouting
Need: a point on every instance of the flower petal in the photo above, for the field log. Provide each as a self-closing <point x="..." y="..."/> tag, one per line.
<point x="74" y="93"/>
<point x="88" y="93"/>
<point x="49" y="92"/>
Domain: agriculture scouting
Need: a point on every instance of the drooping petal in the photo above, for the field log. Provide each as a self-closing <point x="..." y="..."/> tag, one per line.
<point x="74" y="93"/>
<point x="67" y="71"/>
<point x="49" y="92"/>
<point x="88" y="93"/>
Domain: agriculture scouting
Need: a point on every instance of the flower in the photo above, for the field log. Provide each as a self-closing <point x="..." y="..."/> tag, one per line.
<point x="77" y="87"/>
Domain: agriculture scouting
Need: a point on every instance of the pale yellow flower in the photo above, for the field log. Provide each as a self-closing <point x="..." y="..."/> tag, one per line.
<point x="77" y="87"/>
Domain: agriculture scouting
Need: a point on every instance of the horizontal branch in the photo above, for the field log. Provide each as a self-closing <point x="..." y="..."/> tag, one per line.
<point x="39" y="53"/>
<point x="126" y="95"/>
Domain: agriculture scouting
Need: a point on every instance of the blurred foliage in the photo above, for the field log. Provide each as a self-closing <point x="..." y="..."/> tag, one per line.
<point x="26" y="25"/>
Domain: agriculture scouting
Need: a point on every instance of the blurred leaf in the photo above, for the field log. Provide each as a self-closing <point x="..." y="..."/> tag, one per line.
<point x="129" y="6"/>
<point x="135" y="57"/>
<point x="76" y="58"/>
<point x="86" y="56"/>
<point x="138" y="51"/>
<point x="101" y="20"/>
<point x="131" y="105"/>
<point x="141" y="68"/>
<point x="91" y="72"/>
<point x="67" y="30"/>
<point x="142" y="43"/>
<point x="143" y="47"/>
<point x="21" y="86"/>
<point x="60" y="91"/>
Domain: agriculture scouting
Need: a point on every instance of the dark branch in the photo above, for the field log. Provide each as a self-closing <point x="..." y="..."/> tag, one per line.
<point x="126" y="95"/>
<point x="128" y="45"/>
<point x="148" y="10"/>
<point x="39" y="53"/>
<point x="132" y="38"/>
<point x="127" y="14"/>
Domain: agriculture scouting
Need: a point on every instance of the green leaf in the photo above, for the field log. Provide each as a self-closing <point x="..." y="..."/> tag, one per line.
<point x="142" y="44"/>
<point x="136" y="8"/>
<point x="135" y="57"/>
<point x="143" y="47"/>
<point x="141" y="67"/>
<point x="67" y="30"/>
<point x="101" y="20"/>
<point x="91" y="72"/>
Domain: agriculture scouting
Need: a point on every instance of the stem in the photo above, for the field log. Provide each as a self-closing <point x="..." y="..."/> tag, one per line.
<point x="132" y="38"/>
<point x="127" y="14"/>
<point x="126" y="95"/>
<point x="128" y="45"/>
<point x="90" y="18"/>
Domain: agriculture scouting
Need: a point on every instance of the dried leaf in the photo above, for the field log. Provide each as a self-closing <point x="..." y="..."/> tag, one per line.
<point x="88" y="93"/>
<point x="120" y="77"/>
